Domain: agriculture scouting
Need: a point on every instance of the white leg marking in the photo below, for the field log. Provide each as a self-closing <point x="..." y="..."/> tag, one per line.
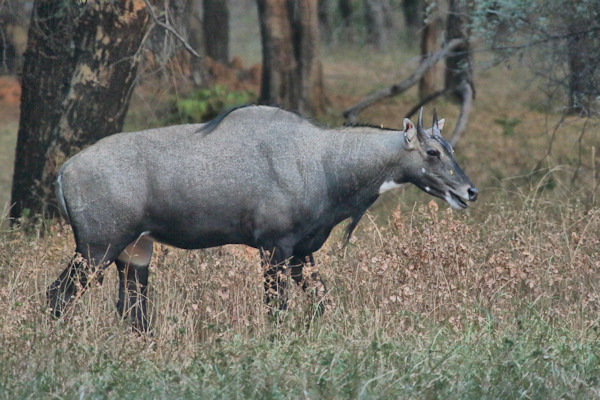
<point x="138" y="252"/>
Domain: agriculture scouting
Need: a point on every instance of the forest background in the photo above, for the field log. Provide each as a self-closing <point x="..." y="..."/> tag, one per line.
<point x="499" y="301"/>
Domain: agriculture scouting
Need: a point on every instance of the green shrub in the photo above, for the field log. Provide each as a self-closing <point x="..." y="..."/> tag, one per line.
<point x="204" y="104"/>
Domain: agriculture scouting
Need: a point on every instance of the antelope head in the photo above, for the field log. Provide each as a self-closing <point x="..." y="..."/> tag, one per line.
<point x="432" y="165"/>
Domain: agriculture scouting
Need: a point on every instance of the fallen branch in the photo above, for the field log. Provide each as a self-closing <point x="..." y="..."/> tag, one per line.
<point x="351" y="113"/>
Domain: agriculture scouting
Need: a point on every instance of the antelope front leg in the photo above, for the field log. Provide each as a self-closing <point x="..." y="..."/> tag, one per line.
<point x="274" y="265"/>
<point x="305" y="273"/>
<point x="275" y="287"/>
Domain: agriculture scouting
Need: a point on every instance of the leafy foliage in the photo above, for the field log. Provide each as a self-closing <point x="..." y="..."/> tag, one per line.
<point x="205" y="104"/>
<point x="508" y="124"/>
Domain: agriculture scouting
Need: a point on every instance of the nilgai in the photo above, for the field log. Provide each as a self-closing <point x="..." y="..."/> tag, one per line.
<point x="258" y="176"/>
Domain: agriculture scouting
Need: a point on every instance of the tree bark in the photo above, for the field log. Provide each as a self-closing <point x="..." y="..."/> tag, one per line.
<point x="292" y="74"/>
<point x="194" y="22"/>
<point x="305" y="27"/>
<point x="583" y="78"/>
<point x="279" y="63"/>
<point x="216" y="30"/>
<point x="79" y="70"/>
<point x="459" y="71"/>
<point x="428" y="46"/>
<point x="458" y="65"/>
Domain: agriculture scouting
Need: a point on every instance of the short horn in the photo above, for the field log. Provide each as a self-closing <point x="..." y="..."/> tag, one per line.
<point x="421" y="134"/>
<point x="435" y="129"/>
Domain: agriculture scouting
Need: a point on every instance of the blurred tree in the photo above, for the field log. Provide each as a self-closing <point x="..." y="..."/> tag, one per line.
<point x="194" y="37"/>
<point x="379" y="23"/>
<point x="413" y="15"/>
<point x="13" y="34"/>
<point x="581" y="23"/>
<point x="216" y="29"/>
<point x="166" y="44"/>
<point x="325" y="28"/>
<point x="292" y="73"/>
<point x="79" y="70"/>
<point x="346" y="11"/>
<point x="459" y="71"/>
<point x="279" y="62"/>
<point x="429" y="39"/>
<point x="559" y="39"/>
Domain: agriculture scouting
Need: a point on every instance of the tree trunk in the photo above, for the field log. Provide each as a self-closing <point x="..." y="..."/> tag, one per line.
<point x="279" y="63"/>
<point x="291" y="75"/>
<point x="78" y="75"/>
<point x="305" y="28"/>
<point x="13" y="35"/>
<point x="583" y="78"/>
<point x="346" y="10"/>
<point x="429" y="46"/>
<point x="459" y="70"/>
<point x="378" y="22"/>
<point x="325" y="20"/>
<point x="216" y="30"/>
<point x="197" y="67"/>
<point x="413" y="15"/>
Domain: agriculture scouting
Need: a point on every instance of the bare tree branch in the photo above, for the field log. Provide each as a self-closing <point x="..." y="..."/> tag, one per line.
<point x="465" y="109"/>
<point x="351" y="113"/>
<point x="172" y="30"/>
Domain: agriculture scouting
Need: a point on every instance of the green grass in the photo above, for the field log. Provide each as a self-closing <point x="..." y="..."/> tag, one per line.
<point x="526" y="360"/>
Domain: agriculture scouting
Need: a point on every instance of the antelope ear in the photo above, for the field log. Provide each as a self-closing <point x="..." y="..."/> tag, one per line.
<point x="441" y="123"/>
<point x="410" y="134"/>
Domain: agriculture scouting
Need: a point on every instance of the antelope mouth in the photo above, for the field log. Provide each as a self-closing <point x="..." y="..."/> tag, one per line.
<point x="455" y="200"/>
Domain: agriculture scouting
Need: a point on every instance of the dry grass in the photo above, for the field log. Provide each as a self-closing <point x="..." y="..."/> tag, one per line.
<point x="430" y="304"/>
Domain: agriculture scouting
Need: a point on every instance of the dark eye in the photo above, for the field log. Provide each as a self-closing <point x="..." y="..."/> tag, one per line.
<point x="433" y="153"/>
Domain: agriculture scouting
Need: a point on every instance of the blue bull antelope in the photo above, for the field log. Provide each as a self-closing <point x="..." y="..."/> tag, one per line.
<point x="258" y="176"/>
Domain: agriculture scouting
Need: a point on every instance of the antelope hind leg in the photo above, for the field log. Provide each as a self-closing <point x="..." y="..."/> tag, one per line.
<point x="71" y="283"/>
<point x="132" y="266"/>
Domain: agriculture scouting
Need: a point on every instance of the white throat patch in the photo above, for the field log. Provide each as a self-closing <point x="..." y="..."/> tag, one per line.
<point x="389" y="185"/>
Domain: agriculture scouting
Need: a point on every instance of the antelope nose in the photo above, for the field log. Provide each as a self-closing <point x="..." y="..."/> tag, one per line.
<point x="472" y="192"/>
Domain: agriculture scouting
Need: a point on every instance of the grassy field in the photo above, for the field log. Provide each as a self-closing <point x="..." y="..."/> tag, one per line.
<point x="501" y="301"/>
<point x="431" y="304"/>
